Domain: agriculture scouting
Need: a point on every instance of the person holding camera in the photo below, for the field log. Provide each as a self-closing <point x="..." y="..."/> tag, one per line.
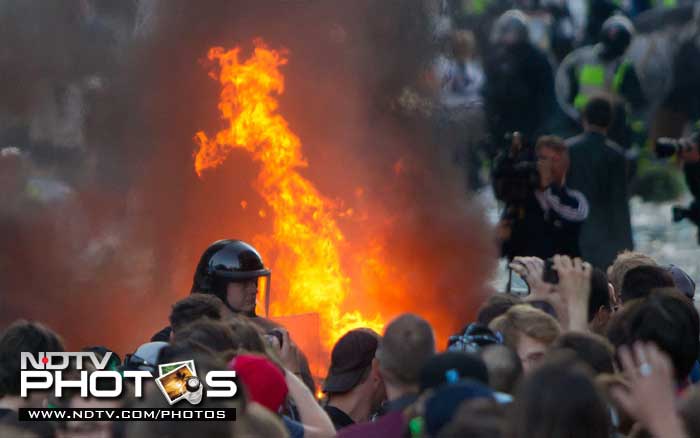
<point x="551" y="216"/>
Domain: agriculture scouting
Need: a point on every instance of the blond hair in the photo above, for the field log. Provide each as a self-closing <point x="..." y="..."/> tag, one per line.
<point x="625" y="261"/>
<point x="526" y="320"/>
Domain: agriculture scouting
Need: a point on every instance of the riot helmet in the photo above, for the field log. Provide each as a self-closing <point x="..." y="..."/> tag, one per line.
<point x="233" y="261"/>
<point x="511" y="28"/>
<point x="615" y="36"/>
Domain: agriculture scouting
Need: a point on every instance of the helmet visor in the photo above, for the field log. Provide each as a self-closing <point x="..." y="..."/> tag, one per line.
<point x="262" y="305"/>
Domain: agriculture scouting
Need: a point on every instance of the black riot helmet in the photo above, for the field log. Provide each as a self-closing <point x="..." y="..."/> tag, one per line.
<point x="511" y="29"/>
<point x="230" y="261"/>
<point x="615" y="36"/>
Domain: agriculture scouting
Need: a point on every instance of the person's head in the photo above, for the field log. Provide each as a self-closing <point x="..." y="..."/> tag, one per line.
<point x="463" y="45"/>
<point x="558" y="399"/>
<point x="263" y="381"/>
<point x="442" y="405"/>
<point x="246" y="334"/>
<point x="510" y="29"/>
<point x="665" y="318"/>
<point x="504" y="366"/>
<point x="528" y="331"/>
<point x="597" y="113"/>
<point x="23" y="336"/>
<point x="353" y="371"/>
<point x="233" y="271"/>
<point x="451" y="366"/>
<point x="640" y="281"/>
<point x="495" y="306"/>
<point x="553" y="153"/>
<point x="599" y="303"/>
<point x="406" y="346"/>
<point x="593" y="350"/>
<point x="473" y="338"/>
<point x="615" y="36"/>
<point x="216" y="336"/>
<point x="476" y="418"/>
<point x="625" y="261"/>
<point x="192" y="308"/>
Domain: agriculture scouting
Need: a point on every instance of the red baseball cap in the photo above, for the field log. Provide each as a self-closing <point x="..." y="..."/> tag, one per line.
<point x="263" y="380"/>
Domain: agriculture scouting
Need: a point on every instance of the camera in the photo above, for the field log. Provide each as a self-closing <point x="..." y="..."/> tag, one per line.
<point x="667" y="147"/>
<point x="515" y="173"/>
<point x="691" y="212"/>
<point x="549" y="274"/>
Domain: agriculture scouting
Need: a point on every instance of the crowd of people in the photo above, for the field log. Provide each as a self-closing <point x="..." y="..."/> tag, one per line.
<point x="589" y="353"/>
<point x="578" y="106"/>
<point x="605" y="344"/>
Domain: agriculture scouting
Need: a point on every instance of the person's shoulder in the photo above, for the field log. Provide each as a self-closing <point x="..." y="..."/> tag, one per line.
<point x="579" y="54"/>
<point x="614" y="148"/>
<point x="575" y="142"/>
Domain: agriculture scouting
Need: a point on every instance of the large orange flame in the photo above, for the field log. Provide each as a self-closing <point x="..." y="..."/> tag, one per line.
<point x="305" y="232"/>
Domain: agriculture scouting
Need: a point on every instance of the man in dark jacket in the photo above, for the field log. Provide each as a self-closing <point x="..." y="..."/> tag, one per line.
<point x="599" y="171"/>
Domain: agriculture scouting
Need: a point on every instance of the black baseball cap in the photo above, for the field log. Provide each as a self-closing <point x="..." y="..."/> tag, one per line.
<point x="452" y="366"/>
<point x="351" y="358"/>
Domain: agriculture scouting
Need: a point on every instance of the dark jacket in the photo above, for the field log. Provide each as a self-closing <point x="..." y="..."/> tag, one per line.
<point x="518" y="93"/>
<point x="598" y="170"/>
<point x="550" y="224"/>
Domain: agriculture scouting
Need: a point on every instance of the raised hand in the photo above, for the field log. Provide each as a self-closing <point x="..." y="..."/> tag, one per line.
<point x="650" y="396"/>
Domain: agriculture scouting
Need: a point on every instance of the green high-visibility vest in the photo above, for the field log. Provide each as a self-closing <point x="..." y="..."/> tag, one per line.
<point x="475" y="7"/>
<point x="665" y="3"/>
<point x="593" y="79"/>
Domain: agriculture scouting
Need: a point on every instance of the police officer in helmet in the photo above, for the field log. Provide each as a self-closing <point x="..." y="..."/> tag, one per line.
<point x="233" y="271"/>
<point x="604" y="68"/>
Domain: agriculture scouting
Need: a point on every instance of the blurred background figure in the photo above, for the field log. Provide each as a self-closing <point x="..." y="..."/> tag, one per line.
<point x="519" y="90"/>
<point x="604" y="68"/>
<point x="459" y="79"/>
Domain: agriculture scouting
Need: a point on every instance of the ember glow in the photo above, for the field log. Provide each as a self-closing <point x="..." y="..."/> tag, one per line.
<point x="306" y="237"/>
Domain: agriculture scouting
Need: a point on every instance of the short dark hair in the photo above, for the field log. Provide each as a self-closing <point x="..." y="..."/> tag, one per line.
<point x="23" y="336"/>
<point x="406" y="346"/>
<point x="216" y="336"/>
<point x="194" y="307"/>
<point x="581" y="409"/>
<point x="495" y="306"/>
<point x="600" y="296"/>
<point x="665" y="318"/>
<point x="598" y="111"/>
<point x="591" y="349"/>
<point x="640" y="281"/>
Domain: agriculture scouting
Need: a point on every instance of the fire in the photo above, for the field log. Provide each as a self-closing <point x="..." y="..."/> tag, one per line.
<point x="305" y="231"/>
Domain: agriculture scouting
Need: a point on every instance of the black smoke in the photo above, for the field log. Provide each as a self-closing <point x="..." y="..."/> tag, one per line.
<point x="104" y="265"/>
